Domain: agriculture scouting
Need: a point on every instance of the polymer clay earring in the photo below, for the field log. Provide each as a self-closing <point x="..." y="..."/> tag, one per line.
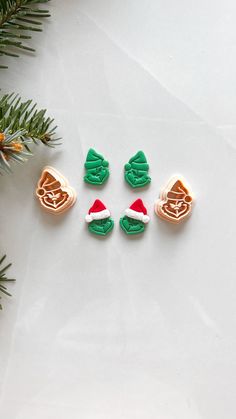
<point x="136" y="171"/>
<point x="99" y="219"/>
<point x="175" y="202"/>
<point x="53" y="191"/>
<point x="97" y="171"/>
<point x="135" y="218"/>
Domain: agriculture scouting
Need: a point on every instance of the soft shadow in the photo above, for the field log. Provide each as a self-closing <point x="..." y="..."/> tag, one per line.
<point x="131" y="237"/>
<point x="95" y="187"/>
<point x="136" y="190"/>
<point x="49" y="219"/>
<point x="169" y="232"/>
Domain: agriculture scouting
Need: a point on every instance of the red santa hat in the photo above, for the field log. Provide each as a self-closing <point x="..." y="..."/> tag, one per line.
<point x="98" y="211"/>
<point x="138" y="211"/>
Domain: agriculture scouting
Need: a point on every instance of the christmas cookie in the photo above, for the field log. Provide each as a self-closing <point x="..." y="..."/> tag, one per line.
<point x="175" y="203"/>
<point x="99" y="219"/>
<point x="54" y="193"/>
<point x="136" y="171"/>
<point x="97" y="171"/>
<point x="135" y="218"/>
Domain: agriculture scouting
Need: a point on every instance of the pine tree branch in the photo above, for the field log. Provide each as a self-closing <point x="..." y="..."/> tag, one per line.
<point x="4" y="278"/>
<point x="21" y="124"/>
<point x="16" y="18"/>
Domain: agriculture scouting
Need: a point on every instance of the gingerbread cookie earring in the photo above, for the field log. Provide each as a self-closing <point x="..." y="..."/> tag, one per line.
<point x="99" y="219"/>
<point x="53" y="191"/>
<point x="97" y="171"/>
<point x="136" y="171"/>
<point x="135" y="218"/>
<point x="175" y="202"/>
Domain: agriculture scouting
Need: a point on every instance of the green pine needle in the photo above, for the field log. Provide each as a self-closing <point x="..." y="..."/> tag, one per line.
<point x="21" y="125"/>
<point x="3" y="278"/>
<point x="16" y="18"/>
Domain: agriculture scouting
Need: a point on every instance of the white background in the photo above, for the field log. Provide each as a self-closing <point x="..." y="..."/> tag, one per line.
<point x="124" y="328"/>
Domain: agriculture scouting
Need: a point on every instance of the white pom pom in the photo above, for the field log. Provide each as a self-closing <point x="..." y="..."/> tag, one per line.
<point x="88" y="218"/>
<point x="145" y="219"/>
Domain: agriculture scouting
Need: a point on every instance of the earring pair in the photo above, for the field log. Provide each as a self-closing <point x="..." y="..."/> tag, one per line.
<point x="101" y="223"/>
<point x="135" y="171"/>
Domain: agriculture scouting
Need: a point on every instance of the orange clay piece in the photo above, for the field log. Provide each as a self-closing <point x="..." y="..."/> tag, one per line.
<point x="17" y="146"/>
<point x="2" y="136"/>
<point x="175" y="203"/>
<point x="53" y="191"/>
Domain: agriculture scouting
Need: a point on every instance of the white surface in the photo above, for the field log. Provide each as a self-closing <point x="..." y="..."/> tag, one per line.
<point x="125" y="328"/>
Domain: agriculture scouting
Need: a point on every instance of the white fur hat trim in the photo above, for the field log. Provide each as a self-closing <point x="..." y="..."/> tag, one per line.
<point x="97" y="215"/>
<point x="137" y="215"/>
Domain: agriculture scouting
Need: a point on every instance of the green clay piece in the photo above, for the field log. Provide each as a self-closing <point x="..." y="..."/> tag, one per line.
<point x="101" y="227"/>
<point x="97" y="171"/>
<point x="131" y="226"/>
<point x="136" y="171"/>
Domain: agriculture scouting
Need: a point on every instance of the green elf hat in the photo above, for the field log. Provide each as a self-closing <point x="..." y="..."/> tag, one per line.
<point x="138" y="161"/>
<point x="94" y="160"/>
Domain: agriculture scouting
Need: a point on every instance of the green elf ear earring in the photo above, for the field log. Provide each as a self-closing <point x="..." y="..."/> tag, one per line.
<point x="97" y="171"/>
<point x="99" y="219"/>
<point x="136" y="171"/>
<point x="135" y="218"/>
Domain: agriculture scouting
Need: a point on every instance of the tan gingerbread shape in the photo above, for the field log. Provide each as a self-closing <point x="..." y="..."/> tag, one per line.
<point x="175" y="202"/>
<point x="53" y="191"/>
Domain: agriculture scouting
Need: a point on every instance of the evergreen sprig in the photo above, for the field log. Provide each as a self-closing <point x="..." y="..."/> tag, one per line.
<point x="3" y="278"/>
<point x="17" y="19"/>
<point x="21" y="124"/>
